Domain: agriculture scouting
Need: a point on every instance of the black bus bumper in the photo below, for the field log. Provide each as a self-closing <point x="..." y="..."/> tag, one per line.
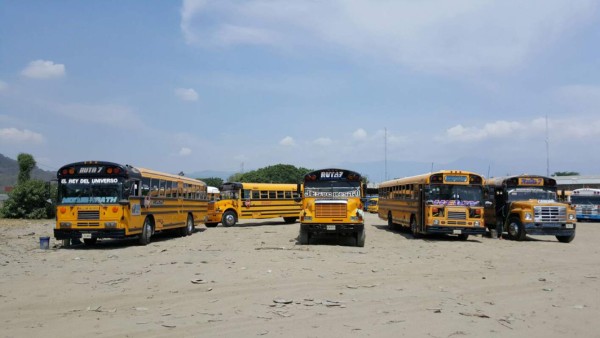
<point x="456" y="230"/>
<point x="552" y="230"/>
<point x="321" y="228"/>
<point x="98" y="233"/>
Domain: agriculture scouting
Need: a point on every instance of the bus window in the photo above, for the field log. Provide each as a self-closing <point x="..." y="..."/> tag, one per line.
<point x="255" y="194"/>
<point x="246" y="194"/>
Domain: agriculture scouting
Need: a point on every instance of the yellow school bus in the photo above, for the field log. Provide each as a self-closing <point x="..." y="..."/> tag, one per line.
<point x="254" y="201"/>
<point x="98" y="199"/>
<point x="332" y="204"/>
<point x="527" y="204"/>
<point x="443" y="202"/>
<point x="372" y="206"/>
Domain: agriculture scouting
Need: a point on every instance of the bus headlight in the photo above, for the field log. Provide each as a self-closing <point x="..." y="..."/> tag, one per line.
<point x="571" y="217"/>
<point x="436" y="222"/>
<point x="476" y="223"/>
<point x="65" y="224"/>
<point x="110" y="224"/>
<point x="528" y="216"/>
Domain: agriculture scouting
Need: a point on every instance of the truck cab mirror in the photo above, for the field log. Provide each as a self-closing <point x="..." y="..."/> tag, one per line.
<point x="488" y="204"/>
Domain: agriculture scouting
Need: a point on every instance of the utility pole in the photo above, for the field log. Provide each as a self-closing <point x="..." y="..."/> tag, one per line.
<point x="385" y="154"/>
<point x="547" y="150"/>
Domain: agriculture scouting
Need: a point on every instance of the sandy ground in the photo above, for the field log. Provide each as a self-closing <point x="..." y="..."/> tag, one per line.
<point x="255" y="280"/>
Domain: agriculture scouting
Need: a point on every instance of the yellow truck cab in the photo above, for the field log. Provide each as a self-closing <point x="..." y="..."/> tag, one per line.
<point x="372" y="205"/>
<point x="527" y="205"/>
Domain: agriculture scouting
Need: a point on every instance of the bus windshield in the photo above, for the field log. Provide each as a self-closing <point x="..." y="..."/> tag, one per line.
<point x="523" y="194"/>
<point x="77" y="193"/>
<point x="585" y="199"/>
<point x="229" y="194"/>
<point x="469" y="195"/>
<point x="332" y="189"/>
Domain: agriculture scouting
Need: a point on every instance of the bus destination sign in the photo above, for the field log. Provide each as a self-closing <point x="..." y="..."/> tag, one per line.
<point x="455" y="178"/>
<point x="531" y="181"/>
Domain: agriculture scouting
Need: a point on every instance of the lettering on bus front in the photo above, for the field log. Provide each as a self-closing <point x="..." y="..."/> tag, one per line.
<point x="533" y="181"/>
<point x="331" y="194"/>
<point x="90" y="170"/>
<point x="331" y="174"/>
<point x="89" y="181"/>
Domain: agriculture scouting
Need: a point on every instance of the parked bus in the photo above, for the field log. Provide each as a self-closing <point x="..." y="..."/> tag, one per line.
<point x="254" y="201"/>
<point x="373" y="207"/>
<point x="332" y="205"/>
<point x="527" y="204"/>
<point x="443" y="202"/>
<point x="587" y="204"/>
<point x="98" y="199"/>
<point x="213" y="193"/>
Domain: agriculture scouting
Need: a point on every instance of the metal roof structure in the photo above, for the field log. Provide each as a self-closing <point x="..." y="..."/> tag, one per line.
<point x="576" y="182"/>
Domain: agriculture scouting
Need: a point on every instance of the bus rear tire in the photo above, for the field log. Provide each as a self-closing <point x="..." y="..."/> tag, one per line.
<point x="188" y="230"/>
<point x="290" y="220"/>
<point x="211" y="225"/>
<point x="516" y="230"/>
<point x="390" y="220"/>
<point x="229" y="218"/>
<point x="146" y="232"/>
<point x="360" y="238"/>
<point x="303" y="238"/>
<point x="566" y="239"/>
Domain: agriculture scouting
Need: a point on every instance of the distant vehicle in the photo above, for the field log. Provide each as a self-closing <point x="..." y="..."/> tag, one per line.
<point x="372" y="205"/>
<point x="332" y="204"/>
<point x="527" y="204"/>
<point x="443" y="202"/>
<point x="213" y="193"/>
<point x="587" y="204"/>
<point x="254" y="201"/>
<point x="98" y="199"/>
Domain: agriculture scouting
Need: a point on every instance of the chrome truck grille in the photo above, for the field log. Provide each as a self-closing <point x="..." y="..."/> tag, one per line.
<point x="550" y="214"/>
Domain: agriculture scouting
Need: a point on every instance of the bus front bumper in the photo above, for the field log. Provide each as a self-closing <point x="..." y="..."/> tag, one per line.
<point x="555" y="229"/>
<point x="456" y="230"/>
<point x="322" y="228"/>
<point x="97" y="233"/>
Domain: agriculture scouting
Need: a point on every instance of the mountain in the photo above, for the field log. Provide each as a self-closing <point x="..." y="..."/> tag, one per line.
<point x="9" y="171"/>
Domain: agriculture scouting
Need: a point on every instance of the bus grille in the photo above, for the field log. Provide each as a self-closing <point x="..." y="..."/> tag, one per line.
<point x="330" y="210"/>
<point x="88" y="224"/>
<point x="457" y="215"/>
<point x="88" y="215"/>
<point x="586" y="210"/>
<point x="550" y="214"/>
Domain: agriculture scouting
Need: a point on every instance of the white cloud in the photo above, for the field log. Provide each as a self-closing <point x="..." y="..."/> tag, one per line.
<point x="42" y="69"/>
<point x="323" y="141"/>
<point x="3" y="85"/>
<point x="496" y="129"/>
<point x="14" y="135"/>
<point x="287" y="141"/>
<point x="429" y="35"/>
<point x="359" y="134"/>
<point x="186" y="94"/>
<point x="107" y="114"/>
<point x="185" y="151"/>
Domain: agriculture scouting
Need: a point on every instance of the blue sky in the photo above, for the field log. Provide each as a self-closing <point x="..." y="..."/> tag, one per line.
<point x="209" y="85"/>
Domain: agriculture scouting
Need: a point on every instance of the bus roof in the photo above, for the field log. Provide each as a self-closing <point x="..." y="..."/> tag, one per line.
<point x="212" y="190"/>
<point x="522" y="180"/>
<point x="424" y="178"/>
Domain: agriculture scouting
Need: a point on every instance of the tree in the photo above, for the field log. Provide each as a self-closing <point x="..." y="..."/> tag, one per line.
<point x="29" y="197"/>
<point x="212" y="181"/>
<point x="279" y="173"/>
<point x="26" y="165"/>
<point x="566" y="173"/>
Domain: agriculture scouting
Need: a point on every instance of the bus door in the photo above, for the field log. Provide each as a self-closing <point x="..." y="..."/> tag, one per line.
<point x="421" y="207"/>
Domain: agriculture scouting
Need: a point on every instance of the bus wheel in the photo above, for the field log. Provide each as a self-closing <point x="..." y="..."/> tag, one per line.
<point x="414" y="229"/>
<point x="516" y="230"/>
<point x="189" y="227"/>
<point x="289" y="220"/>
<point x="146" y="232"/>
<point x="229" y="218"/>
<point x="463" y="237"/>
<point x="391" y="224"/>
<point x="303" y="238"/>
<point x="360" y="238"/>
<point x="211" y="225"/>
<point x="90" y="241"/>
<point x="566" y="239"/>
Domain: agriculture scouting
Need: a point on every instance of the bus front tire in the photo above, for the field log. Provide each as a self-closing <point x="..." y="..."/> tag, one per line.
<point x="290" y="220"/>
<point x="566" y="239"/>
<point x="414" y="228"/>
<point x="146" y="232"/>
<point x="360" y="238"/>
<point x="229" y="219"/>
<point x="391" y="224"/>
<point x="211" y="225"/>
<point x="516" y="230"/>
<point x="303" y="238"/>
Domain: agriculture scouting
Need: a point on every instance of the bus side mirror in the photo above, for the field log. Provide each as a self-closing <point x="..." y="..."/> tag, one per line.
<point x="488" y="204"/>
<point x="298" y="199"/>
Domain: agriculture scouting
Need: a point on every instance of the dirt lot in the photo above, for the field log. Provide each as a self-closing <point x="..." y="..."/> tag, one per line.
<point x="254" y="280"/>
